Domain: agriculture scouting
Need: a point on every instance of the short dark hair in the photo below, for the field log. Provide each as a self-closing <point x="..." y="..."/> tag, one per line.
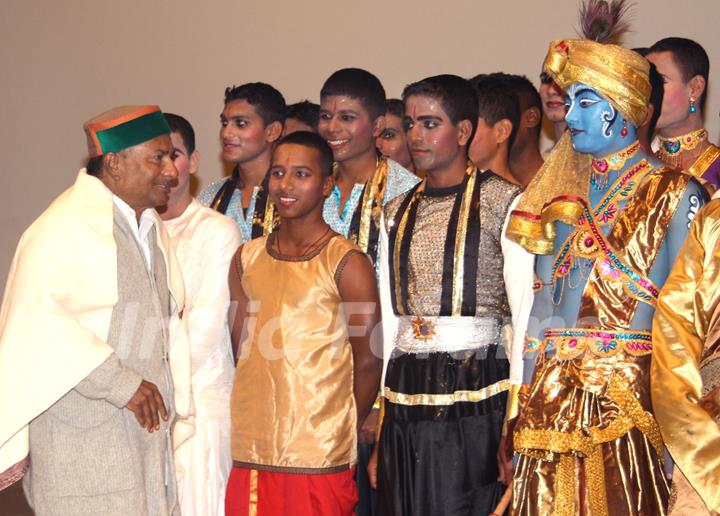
<point x="690" y="57"/>
<point x="457" y="96"/>
<point x="305" y="111"/>
<point x="657" y="90"/>
<point x="528" y="95"/>
<point x="357" y="84"/>
<point x="395" y="107"/>
<point x="496" y="101"/>
<point x="181" y="126"/>
<point x="314" y="141"/>
<point x="267" y="101"/>
<point x="94" y="165"/>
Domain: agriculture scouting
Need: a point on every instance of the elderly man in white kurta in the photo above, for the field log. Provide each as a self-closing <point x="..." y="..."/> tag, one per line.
<point x="205" y="242"/>
<point x="94" y="362"/>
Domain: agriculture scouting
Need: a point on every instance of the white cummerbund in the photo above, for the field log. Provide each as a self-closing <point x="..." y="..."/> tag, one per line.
<point x="446" y="334"/>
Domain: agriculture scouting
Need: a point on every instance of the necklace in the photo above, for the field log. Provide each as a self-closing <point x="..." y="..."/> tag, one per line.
<point x="671" y="149"/>
<point x="307" y="248"/>
<point x="606" y="213"/>
<point x="601" y="167"/>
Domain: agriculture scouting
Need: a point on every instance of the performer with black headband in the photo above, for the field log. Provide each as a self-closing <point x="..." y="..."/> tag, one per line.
<point x="251" y="122"/>
<point x="444" y="271"/>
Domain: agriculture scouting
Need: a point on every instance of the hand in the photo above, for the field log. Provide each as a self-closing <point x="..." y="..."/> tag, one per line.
<point x="369" y="428"/>
<point x="146" y="404"/>
<point x="372" y="467"/>
<point x="505" y="455"/>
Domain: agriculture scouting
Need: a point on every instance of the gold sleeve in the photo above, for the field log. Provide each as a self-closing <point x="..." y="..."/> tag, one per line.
<point x="685" y="306"/>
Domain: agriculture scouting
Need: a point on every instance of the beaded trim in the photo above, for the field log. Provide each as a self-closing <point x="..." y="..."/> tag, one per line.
<point x="683" y="143"/>
<point x="671" y="150"/>
<point x="604" y="214"/>
<point x="589" y="242"/>
<point x="617" y="160"/>
<point x="570" y="343"/>
<point x="14" y="473"/>
<point x="531" y="344"/>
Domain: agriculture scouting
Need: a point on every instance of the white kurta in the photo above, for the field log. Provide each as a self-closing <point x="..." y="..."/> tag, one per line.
<point x="205" y="242"/>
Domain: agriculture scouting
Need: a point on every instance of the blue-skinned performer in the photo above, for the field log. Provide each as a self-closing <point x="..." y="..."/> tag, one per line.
<point x="606" y="221"/>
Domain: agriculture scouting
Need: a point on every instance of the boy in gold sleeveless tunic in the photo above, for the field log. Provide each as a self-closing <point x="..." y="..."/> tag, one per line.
<point x="304" y="379"/>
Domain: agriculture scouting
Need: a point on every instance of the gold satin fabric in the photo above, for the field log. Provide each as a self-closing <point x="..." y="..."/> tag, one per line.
<point x="705" y="159"/>
<point x="684" y="500"/>
<point x="636" y="239"/>
<point x="292" y="402"/>
<point x="372" y="202"/>
<point x="686" y="330"/>
<point x="564" y="176"/>
<point x="578" y="438"/>
<point x="587" y="441"/>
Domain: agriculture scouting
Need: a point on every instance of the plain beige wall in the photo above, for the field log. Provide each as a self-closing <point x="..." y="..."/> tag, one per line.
<point x="63" y="61"/>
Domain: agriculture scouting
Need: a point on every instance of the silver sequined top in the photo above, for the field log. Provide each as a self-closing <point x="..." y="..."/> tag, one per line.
<point x="428" y="242"/>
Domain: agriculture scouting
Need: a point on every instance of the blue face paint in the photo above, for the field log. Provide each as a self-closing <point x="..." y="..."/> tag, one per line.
<point x="594" y="124"/>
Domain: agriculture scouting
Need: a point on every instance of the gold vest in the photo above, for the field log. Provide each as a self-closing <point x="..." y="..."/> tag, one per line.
<point x="293" y="407"/>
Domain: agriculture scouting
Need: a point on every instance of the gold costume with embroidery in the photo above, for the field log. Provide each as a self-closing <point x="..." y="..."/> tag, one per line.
<point x="706" y="166"/>
<point x="587" y="440"/>
<point x="686" y="364"/>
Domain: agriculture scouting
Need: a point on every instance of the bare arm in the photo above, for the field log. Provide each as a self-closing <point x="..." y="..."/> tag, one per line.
<point x="358" y="291"/>
<point x="238" y="303"/>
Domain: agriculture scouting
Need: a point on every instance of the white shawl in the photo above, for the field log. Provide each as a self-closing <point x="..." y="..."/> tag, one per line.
<point x="56" y="311"/>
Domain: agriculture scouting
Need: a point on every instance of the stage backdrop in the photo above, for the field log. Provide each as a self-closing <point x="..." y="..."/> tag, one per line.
<point x="65" y="61"/>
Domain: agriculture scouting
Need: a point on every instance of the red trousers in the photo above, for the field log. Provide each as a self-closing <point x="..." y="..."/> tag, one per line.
<point x="263" y="493"/>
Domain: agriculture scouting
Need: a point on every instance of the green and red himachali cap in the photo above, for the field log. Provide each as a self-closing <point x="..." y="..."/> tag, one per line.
<point x="123" y="127"/>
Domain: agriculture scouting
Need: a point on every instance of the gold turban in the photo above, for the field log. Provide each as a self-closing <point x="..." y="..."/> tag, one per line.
<point x="619" y="75"/>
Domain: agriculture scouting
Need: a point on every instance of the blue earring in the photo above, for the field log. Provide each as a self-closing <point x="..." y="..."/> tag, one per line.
<point x="693" y="107"/>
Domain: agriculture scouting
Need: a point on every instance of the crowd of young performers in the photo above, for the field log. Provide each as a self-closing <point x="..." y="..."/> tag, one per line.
<point x="390" y="306"/>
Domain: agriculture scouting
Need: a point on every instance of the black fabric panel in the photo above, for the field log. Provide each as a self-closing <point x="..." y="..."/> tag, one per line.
<point x="261" y="201"/>
<point x="441" y="460"/>
<point x="449" y="253"/>
<point x="444" y="373"/>
<point x="392" y="239"/>
<point x="222" y="198"/>
<point x="367" y="496"/>
<point x="357" y="215"/>
<point x="472" y="249"/>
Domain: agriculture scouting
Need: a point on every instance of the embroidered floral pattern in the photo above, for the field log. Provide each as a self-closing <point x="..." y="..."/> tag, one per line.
<point x="607" y="269"/>
<point x="570" y="343"/>
<point x="608" y="214"/>
<point x="587" y="241"/>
